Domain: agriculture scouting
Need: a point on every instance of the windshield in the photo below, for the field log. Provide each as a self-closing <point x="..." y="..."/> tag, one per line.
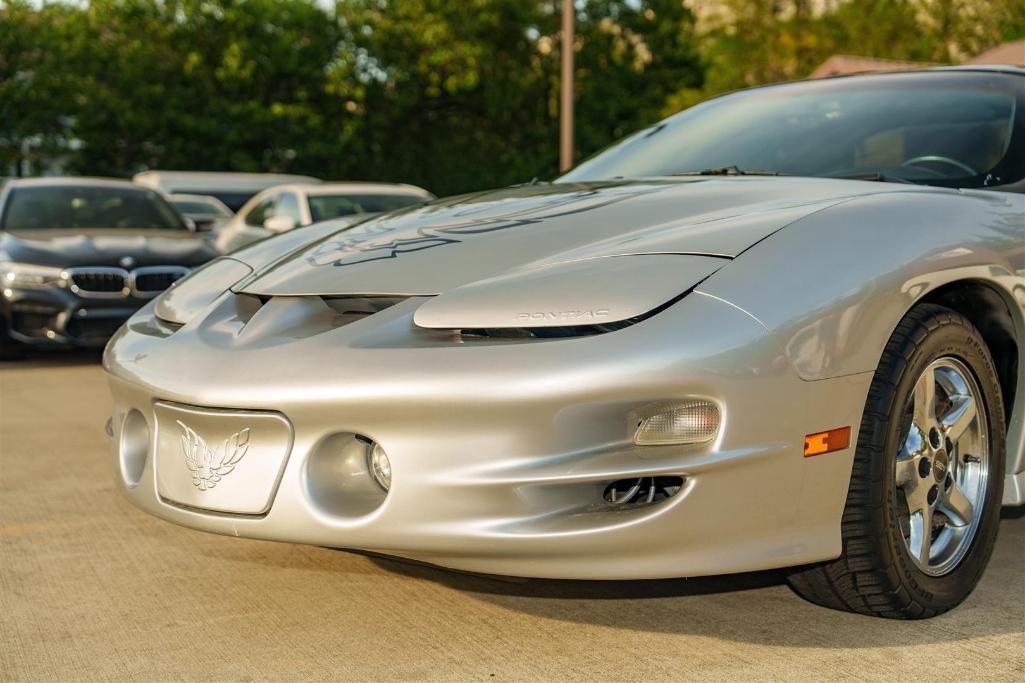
<point x="324" y="207"/>
<point x="954" y="129"/>
<point x="198" y="206"/>
<point x="87" y="206"/>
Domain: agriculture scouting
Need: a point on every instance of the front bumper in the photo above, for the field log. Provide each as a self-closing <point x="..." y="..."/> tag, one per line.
<point x="55" y="316"/>
<point x="500" y="450"/>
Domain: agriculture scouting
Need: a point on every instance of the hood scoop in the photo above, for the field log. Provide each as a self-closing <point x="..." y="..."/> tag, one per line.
<point x="593" y="292"/>
<point x="299" y="317"/>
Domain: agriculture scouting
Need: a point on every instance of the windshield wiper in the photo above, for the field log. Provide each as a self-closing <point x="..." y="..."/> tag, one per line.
<point x="874" y="176"/>
<point x="725" y="170"/>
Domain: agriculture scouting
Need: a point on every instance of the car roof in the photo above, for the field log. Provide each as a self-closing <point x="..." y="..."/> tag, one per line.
<point x="58" y="181"/>
<point x="194" y="197"/>
<point x="355" y="187"/>
<point x="169" y="181"/>
<point x="367" y="188"/>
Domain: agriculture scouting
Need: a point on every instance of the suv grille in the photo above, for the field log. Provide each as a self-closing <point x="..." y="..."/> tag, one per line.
<point x="117" y="282"/>
<point x="155" y="280"/>
<point x="109" y="281"/>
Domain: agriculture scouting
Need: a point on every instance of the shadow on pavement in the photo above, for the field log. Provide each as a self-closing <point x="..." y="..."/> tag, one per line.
<point x="751" y="608"/>
<point x="54" y="359"/>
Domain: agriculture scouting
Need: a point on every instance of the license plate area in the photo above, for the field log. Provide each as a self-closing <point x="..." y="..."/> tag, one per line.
<point x="227" y="461"/>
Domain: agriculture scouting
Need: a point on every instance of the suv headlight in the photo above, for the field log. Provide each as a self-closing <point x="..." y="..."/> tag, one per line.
<point x="29" y="276"/>
<point x="187" y="297"/>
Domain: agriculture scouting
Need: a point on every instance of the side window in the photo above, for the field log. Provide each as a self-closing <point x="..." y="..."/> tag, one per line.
<point x="262" y="211"/>
<point x="288" y="205"/>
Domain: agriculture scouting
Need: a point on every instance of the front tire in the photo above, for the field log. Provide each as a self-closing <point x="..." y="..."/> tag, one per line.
<point x="923" y="505"/>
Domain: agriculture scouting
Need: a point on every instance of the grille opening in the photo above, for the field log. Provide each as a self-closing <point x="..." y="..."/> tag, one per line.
<point x="32" y="323"/>
<point x="636" y="492"/>
<point x="349" y="309"/>
<point x="108" y="283"/>
<point x="143" y="282"/>
<point x="157" y="281"/>
<point x="94" y="328"/>
<point x="339" y="310"/>
<point x="362" y="304"/>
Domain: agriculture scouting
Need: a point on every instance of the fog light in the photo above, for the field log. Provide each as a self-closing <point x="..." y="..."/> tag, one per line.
<point x="379" y="465"/>
<point x="679" y="422"/>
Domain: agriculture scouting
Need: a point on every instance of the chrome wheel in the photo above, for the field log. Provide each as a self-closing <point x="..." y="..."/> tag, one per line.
<point x="943" y="466"/>
<point x="923" y="505"/>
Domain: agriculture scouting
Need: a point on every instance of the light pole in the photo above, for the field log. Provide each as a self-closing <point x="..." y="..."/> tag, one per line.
<point x="566" y="83"/>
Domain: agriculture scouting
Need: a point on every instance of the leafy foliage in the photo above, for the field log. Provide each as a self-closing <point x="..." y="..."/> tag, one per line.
<point x="751" y="42"/>
<point x="454" y="95"/>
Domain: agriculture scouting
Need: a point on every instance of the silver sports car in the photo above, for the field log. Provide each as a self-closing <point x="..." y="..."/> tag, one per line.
<point x="783" y="328"/>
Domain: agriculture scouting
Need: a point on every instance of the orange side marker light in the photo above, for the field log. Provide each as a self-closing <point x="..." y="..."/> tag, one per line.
<point x="827" y="442"/>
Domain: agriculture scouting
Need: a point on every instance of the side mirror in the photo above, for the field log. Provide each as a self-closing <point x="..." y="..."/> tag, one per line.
<point x="190" y="224"/>
<point x="279" y="223"/>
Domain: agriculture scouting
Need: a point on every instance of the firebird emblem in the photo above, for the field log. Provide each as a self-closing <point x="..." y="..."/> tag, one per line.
<point x="206" y="465"/>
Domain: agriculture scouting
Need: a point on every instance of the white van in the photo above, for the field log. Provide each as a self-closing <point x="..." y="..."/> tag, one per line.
<point x="233" y="189"/>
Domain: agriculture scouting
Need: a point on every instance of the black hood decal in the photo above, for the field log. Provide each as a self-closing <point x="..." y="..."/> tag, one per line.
<point x="374" y="243"/>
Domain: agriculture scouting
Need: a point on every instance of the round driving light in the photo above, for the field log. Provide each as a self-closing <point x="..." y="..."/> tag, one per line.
<point x="379" y="465"/>
<point x="678" y="422"/>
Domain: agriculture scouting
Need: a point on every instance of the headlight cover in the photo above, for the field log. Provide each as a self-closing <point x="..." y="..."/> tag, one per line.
<point x="687" y="421"/>
<point x="15" y="275"/>
<point x="189" y="296"/>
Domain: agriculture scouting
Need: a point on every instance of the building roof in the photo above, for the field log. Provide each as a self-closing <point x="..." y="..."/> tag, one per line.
<point x="1008" y="53"/>
<point x="841" y="65"/>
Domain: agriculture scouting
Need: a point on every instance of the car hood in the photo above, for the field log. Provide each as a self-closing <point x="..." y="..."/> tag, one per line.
<point x="433" y="248"/>
<point x="78" y="248"/>
<point x="550" y="255"/>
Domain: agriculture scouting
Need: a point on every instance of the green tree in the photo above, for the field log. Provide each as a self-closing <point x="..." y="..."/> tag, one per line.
<point x="455" y="95"/>
<point x="752" y="42"/>
<point x="630" y="58"/>
<point x="452" y="94"/>
<point x="237" y="84"/>
<point x="464" y="95"/>
<point x="449" y="95"/>
<point x="35" y="88"/>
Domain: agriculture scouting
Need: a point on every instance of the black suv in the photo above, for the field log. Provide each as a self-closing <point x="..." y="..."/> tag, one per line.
<point x="78" y="256"/>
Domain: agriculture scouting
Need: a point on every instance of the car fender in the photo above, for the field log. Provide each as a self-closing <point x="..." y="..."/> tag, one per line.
<point x="832" y="287"/>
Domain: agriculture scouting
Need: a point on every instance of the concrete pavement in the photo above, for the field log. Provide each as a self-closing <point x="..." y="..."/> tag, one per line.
<point x="92" y="588"/>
